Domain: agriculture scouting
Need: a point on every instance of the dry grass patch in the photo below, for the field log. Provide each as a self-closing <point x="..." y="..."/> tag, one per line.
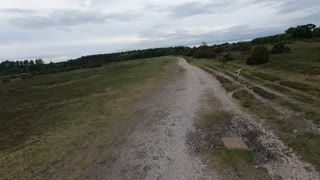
<point x="216" y="117"/>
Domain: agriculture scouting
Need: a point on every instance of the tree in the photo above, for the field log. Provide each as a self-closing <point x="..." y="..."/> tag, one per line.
<point x="316" y="32"/>
<point x="31" y="63"/>
<point x="39" y="67"/>
<point x="302" y="31"/>
<point x="39" y="61"/>
<point x="26" y="63"/>
<point x="204" y="44"/>
<point x="259" y="55"/>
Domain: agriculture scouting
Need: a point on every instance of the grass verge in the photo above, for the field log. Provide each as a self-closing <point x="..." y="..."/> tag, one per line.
<point x="265" y="76"/>
<point x="305" y="143"/>
<point x="235" y="164"/>
<point x="264" y="93"/>
<point x="213" y="124"/>
<point x="61" y="126"/>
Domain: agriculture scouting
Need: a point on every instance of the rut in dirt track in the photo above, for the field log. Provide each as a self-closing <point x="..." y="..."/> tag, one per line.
<point x="157" y="148"/>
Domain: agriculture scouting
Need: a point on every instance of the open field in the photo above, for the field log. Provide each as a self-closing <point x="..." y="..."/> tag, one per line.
<point x="284" y="93"/>
<point x="63" y="125"/>
<point x="165" y="118"/>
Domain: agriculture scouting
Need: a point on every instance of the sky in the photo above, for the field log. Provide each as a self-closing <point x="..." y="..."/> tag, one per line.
<point x="57" y="30"/>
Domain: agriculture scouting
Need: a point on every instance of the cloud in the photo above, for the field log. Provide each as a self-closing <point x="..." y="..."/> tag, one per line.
<point x="199" y="8"/>
<point x="64" y="18"/>
<point x="67" y="28"/>
<point x="292" y="6"/>
<point x="214" y="35"/>
<point x="17" y="11"/>
<point x="190" y="9"/>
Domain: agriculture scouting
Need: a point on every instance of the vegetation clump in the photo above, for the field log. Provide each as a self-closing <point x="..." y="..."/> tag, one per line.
<point x="279" y="48"/>
<point x="204" y="51"/>
<point x="259" y="55"/>
<point x="224" y="56"/>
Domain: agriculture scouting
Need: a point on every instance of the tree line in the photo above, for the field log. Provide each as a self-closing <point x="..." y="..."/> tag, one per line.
<point x="39" y="67"/>
<point x="299" y="32"/>
<point x="219" y="52"/>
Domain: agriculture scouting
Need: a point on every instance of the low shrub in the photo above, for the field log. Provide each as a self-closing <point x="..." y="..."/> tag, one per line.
<point x="224" y="56"/>
<point x="280" y="48"/>
<point x="259" y="55"/>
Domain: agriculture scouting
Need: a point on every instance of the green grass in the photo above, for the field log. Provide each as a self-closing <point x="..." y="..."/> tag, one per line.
<point x="46" y="119"/>
<point x="314" y="116"/>
<point x="265" y="76"/>
<point x="227" y="84"/>
<point x="264" y="93"/>
<point x="304" y="59"/>
<point x="295" y="75"/>
<point x="235" y="163"/>
<point x="305" y="143"/>
<point x="279" y="88"/>
<point x="300" y="86"/>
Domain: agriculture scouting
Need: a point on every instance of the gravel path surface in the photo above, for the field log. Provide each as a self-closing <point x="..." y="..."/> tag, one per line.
<point x="157" y="148"/>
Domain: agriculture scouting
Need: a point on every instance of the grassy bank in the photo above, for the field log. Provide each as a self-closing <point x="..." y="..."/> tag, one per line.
<point x="296" y="76"/>
<point x="64" y="124"/>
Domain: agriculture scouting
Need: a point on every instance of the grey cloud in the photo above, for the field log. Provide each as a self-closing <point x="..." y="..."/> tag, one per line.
<point x="236" y="33"/>
<point x="190" y="9"/>
<point x="157" y="24"/>
<point x="198" y="8"/>
<point x="290" y="6"/>
<point x="17" y="11"/>
<point x="58" y="18"/>
<point x="67" y="18"/>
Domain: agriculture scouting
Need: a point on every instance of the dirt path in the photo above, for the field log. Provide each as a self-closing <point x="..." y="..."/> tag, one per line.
<point x="157" y="148"/>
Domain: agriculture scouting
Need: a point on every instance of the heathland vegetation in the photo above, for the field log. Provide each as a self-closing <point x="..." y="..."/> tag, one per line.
<point x="67" y="122"/>
<point x="283" y="90"/>
<point x="50" y="111"/>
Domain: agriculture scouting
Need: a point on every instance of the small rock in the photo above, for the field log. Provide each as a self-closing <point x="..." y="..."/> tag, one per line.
<point x="295" y="131"/>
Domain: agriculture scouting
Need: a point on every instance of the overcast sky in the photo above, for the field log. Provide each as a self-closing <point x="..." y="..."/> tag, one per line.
<point x="61" y="29"/>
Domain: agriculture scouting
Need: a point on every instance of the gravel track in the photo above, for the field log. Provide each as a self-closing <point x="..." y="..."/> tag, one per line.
<point x="157" y="147"/>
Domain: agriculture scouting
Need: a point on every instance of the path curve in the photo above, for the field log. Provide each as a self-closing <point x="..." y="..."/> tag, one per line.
<point x="157" y="148"/>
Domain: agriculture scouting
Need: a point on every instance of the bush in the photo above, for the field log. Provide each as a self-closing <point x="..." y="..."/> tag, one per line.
<point x="280" y="48"/>
<point x="259" y="55"/>
<point x="223" y="57"/>
<point x="287" y="49"/>
<point x="5" y="80"/>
